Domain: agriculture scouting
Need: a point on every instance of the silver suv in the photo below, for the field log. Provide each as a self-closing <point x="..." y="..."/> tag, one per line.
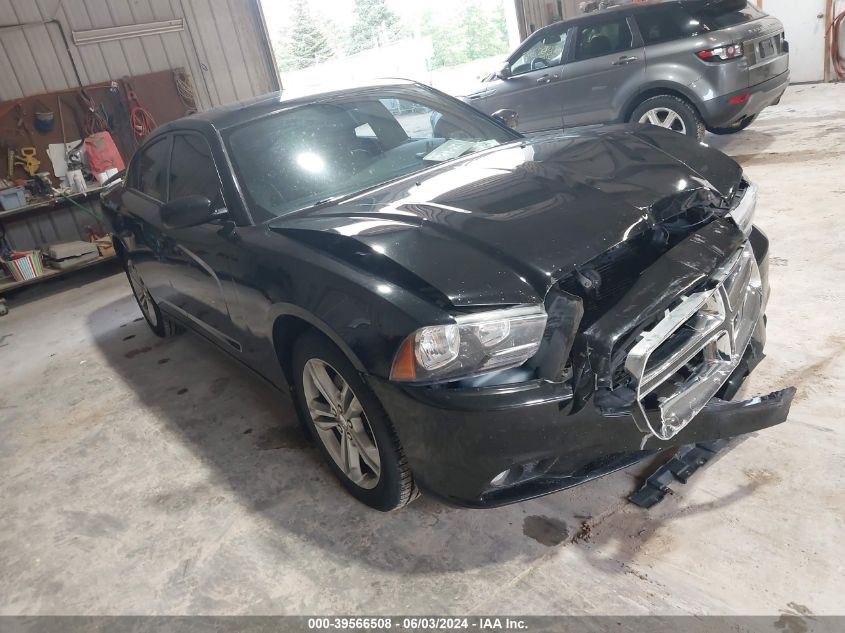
<point x="687" y="65"/>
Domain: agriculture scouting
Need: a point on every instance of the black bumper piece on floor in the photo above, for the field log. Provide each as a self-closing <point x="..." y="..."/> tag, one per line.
<point x="680" y="468"/>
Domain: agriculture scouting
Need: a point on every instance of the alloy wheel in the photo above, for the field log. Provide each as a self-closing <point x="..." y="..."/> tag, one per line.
<point x="341" y="423"/>
<point x="145" y="300"/>
<point x="665" y="117"/>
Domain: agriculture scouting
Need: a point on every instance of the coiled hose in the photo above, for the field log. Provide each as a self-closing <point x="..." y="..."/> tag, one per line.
<point x="835" y="51"/>
<point x="140" y="119"/>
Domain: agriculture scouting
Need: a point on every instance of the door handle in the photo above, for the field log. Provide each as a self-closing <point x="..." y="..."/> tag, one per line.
<point x="546" y="79"/>
<point x="622" y="61"/>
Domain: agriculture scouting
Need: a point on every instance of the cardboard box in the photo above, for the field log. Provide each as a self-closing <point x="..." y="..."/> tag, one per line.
<point x="105" y="246"/>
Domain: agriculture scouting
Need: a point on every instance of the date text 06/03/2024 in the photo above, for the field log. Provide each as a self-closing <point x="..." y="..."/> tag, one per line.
<point x="417" y="623"/>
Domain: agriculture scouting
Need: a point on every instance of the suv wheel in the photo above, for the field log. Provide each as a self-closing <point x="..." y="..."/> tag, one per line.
<point x="739" y="127"/>
<point x="160" y="324"/>
<point x="350" y="426"/>
<point x="670" y="112"/>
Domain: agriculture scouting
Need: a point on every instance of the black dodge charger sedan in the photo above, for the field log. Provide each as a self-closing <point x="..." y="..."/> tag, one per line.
<point x="454" y="307"/>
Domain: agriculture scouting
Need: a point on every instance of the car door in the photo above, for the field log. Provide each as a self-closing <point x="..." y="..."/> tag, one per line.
<point x="608" y="63"/>
<point x="142" y="198"/>
<point x="533" y="88"/>
<point x="202" y="255"/>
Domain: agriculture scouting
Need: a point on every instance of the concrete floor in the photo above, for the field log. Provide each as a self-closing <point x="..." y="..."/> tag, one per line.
<point x="156" y="477"/>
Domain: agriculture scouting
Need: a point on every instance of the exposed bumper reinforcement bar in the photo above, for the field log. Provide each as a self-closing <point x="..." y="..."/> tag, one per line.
<point x="688" y="459"/>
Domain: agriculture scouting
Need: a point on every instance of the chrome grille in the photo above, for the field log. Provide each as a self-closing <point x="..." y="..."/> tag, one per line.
<point x="681" y="362"/>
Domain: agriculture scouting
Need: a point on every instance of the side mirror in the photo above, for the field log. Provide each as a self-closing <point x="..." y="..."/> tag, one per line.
<point x="504" y="72"/>
<point x="188" y="211"/>
<point x="508" y="117"/>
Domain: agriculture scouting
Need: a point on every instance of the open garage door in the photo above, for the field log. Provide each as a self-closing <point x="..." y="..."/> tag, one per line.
<point x="448" y="45"/>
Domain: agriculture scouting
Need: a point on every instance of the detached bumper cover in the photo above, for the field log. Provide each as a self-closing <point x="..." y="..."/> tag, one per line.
<point x="458" y="441"/>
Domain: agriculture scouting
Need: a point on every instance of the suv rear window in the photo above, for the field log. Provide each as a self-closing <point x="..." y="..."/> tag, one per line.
<point x="721" y="14"/>
<point x="664" y="23"/>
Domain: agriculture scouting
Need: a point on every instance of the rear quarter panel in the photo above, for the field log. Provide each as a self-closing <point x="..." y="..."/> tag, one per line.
<point x="676" y="62"/>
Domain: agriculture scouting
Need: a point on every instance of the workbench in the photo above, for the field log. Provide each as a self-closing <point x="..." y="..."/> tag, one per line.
<point x="48" y="221"/>
<point x="52" y="202"/>
<point x="7" y="283"/>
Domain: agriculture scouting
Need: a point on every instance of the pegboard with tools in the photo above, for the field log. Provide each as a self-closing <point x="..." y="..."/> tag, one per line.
<point x="43" y="133"/>
<point x="128" y="108"/>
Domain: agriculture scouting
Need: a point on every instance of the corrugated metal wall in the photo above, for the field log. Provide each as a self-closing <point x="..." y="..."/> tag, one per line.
<point x="223" y="45"/>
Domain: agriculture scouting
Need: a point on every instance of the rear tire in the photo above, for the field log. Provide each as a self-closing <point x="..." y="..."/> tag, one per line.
<point x="670" y="112"/>
<point x="161" y="325"/>
<point x="350" y="426"/>
<point x="742" y="125"/>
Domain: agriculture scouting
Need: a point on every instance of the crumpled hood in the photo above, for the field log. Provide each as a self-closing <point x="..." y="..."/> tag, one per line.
<point x="501" y="226"/>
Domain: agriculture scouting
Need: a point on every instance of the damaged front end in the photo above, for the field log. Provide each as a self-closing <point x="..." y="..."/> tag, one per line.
<point x="645" y="349"/>
<point x="669" y="345"/>
<point x="658" y="341"/>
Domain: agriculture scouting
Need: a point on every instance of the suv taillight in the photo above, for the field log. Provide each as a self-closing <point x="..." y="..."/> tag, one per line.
<point x="722" y="53"/>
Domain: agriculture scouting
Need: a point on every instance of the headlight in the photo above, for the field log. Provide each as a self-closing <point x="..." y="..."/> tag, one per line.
<point x="743" y="214"/>
<point x="472" y="345"/>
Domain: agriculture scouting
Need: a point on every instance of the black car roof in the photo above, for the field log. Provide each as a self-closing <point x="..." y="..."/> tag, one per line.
<point x="233" y="114"/>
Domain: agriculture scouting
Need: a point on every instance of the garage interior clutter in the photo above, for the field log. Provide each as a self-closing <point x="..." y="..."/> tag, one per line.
<point x="352" y="308"/>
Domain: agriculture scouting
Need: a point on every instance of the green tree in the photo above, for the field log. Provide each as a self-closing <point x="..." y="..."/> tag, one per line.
<point x="374" y="24"/>
<point x="305" y="43"/>
<point x="448" y="40"/>
<point x="486" y="30"/>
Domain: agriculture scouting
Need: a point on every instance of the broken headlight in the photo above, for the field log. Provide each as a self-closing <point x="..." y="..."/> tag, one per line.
<point x="743" y="213"/>
<point x="472" y="345"/>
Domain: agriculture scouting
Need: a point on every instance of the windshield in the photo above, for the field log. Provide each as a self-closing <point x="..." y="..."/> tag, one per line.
<point x="326" y="150"/>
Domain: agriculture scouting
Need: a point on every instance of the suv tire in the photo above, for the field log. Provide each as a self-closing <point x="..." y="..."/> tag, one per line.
<point x="672" y="113"/>
<point x="362" y="449"/>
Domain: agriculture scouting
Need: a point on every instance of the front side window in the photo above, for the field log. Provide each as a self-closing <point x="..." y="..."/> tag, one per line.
<point x="605" y="38"/>
<point x="544" y="53"/>
<point x="326" y="150"/>
<point x="151" y="170"/>
<point x="192" y="169"/>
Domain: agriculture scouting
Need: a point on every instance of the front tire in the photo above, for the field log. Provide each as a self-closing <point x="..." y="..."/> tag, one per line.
<point x="672" y="113"/>
<point x="350" y="426"/>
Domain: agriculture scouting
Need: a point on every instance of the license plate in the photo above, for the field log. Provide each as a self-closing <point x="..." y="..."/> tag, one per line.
<point x="767" y="48"/>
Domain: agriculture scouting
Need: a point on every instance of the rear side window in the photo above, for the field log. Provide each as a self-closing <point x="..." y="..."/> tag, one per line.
<point x="721" y="14"/>
<point x="192" y="169"/>
<point x="667" y="23"/>
<point x="151" y="170"/>
<point x="604" y="38"/>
